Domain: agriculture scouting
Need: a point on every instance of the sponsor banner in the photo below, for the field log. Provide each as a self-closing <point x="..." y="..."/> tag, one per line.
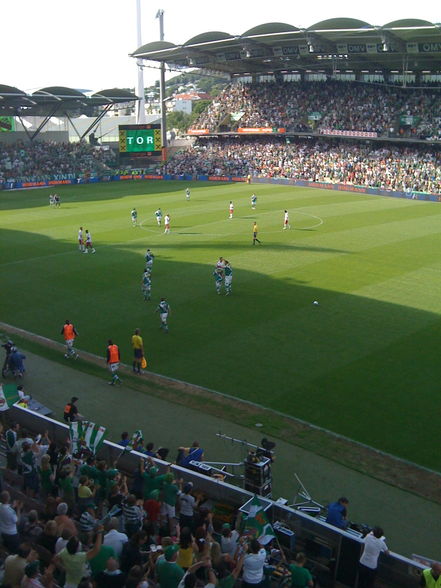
<point x="348" y="133"/>
<point x="218" y="178"/>
<point x="261" y="130"/>
<point x="60" y="182"/>
<point x="198" y="132"/>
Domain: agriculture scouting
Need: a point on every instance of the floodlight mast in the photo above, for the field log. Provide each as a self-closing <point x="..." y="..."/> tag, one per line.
<point x="140" y="105"/>
<point x="160" y="16"/>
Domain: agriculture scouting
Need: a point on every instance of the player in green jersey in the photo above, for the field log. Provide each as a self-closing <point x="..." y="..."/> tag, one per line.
<point x="228" y="272"/>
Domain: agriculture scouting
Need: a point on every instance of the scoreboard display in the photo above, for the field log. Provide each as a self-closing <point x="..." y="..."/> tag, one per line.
<point x="140" y="140"/>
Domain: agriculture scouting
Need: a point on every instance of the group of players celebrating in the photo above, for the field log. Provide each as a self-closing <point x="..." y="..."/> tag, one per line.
<point x="223" y="275"/>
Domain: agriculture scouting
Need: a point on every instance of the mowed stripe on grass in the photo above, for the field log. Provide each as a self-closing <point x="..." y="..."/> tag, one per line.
<point x="372" y="265"/>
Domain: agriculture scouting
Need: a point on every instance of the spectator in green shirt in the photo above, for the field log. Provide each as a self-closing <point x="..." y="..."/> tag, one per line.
<point x="300" y="576"/>
<point x="169" y="573"/>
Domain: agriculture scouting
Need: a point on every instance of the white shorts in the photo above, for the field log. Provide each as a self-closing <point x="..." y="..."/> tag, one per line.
<point x="163" y="316"/>
<point x="168" y="510"/>
<point x="113" y="367"/>
<point x="70" y="343"/>
<point x="228" y="280"/>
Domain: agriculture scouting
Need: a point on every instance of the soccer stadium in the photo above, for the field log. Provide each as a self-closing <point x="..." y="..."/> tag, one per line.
<point x="221" y="348"/>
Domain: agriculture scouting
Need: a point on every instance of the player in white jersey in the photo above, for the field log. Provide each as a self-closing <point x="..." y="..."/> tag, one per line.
<point x="167" y="223"/>
<point x="51" y="200"/>
<point x="158" y="216"/>
<point x="286" y="224"/>
<point x="228" y="273"/>
<point x="134" y="217"/>
<point x="187" y="194"/>
<point x="253" y="201"/>
<point x="231" y="209"/>
<point x="220" y="264"/>
<point x="80" y="239"/>
<point x="89" y="244"/>
<point x="164" y="310"/>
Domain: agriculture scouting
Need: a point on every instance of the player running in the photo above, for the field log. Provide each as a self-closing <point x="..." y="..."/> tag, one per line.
<point x="228" y="273"/>
<point x="134" y="217"/>
<point x="231" y="209"/>
<point x="187" y="194"/>
<point x="218" y="276"/>
<point x="158" y="216"/>
<point x="146" y="286"/>
<point x="80" y="240"/>
<point x="167" y="223"/>
<point x="89" y="244"/>
<point x="69" y="333"/>
<point x="164" y="310"/>
<point x="286" y="224"/>
<point x="253" y="201"/>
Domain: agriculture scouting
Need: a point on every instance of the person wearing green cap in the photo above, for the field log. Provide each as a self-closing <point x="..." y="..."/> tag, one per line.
<point x="151" y="479"/>
<point x="169" y="573"/>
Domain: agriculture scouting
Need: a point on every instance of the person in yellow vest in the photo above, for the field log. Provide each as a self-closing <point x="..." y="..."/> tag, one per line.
<point x="69" y="333"/>
<point x="431" y="577"/>
<point x="113" y="362"/>
<point x="138" y="351"/>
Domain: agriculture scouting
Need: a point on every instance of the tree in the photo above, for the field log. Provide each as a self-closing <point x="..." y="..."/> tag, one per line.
<point x="178" y="120"/>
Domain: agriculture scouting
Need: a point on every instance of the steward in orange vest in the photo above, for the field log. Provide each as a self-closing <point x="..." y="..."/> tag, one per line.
<point x="113" y="362"/>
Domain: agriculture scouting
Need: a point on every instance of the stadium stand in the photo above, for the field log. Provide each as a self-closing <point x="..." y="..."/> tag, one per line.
<point x="387" y="166"/>
<point x="42" y="160"/>
<point x="326" y="106"/>
<point x="133" y="500"/>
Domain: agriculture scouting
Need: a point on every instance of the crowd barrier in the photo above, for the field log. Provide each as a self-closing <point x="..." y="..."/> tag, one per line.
<point x="139" y="175"/>
<point x="320" y="540"/>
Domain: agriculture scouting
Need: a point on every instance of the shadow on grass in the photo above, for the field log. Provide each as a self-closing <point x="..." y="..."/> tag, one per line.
<point x="361" y="367"/>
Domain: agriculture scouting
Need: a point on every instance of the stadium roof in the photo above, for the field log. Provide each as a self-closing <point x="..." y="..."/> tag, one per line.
<point x="338" y="44"/>
<point x="57" y="100"/>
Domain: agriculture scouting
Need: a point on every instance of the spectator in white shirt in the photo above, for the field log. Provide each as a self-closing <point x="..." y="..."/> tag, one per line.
<point x="8" y="522"/>
<point x="229" y="540"/>
<point x="114" y="538"/>
<point x="373" y="545"/>
<point x="253" y="565"/>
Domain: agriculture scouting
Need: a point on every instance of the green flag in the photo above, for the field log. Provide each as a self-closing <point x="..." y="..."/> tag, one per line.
<point x="8" y="396"/>
<point x="257" y="523"/>
<point x="88" y="434"/>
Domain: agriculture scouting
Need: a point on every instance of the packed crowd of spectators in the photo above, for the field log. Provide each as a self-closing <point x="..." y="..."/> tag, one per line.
<point x="306" y="106"/>
<point x="46" y="160"/>
<point x="386" y="166"/>
<point x="91" y="526"/>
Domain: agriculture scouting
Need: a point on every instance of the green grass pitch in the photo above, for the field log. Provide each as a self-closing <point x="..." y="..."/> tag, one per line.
<point x="364" y="362"/>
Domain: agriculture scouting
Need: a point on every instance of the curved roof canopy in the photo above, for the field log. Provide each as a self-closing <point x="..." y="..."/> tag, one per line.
<point x="58" y="100"/>
<point x="340" y="44"/>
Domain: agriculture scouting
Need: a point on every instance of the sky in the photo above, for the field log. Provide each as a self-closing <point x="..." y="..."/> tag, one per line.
<point x="85" y="44"/>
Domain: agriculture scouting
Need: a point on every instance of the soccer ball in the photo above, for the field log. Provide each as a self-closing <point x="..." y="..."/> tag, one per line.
<point x="315" y="302"/>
